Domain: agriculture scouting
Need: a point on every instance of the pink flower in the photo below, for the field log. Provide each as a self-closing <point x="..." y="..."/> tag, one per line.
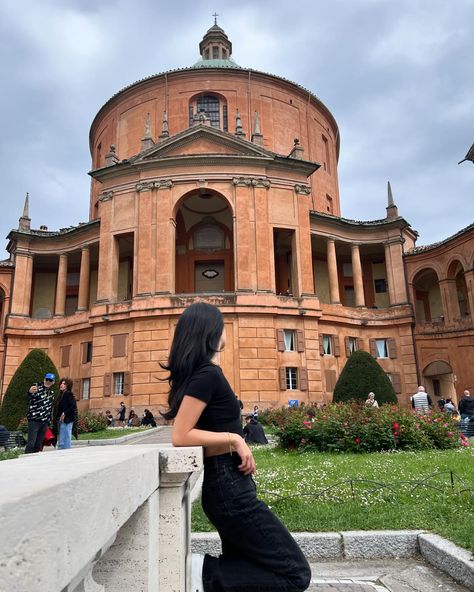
<point x="395" y="425"/>
<point x="450" y="434"/>
<point x="395" y="434"/>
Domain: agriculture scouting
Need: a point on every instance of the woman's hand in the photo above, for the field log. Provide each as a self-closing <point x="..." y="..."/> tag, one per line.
<point x="239" y="445"/>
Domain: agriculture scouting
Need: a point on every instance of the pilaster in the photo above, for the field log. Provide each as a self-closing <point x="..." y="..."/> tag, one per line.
<point x="332" y="271"/>
<point x="84" y="280"/>
<point x="60" y="304"/>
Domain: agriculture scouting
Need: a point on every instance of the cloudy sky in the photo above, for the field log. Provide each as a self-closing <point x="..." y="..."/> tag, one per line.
<point x="397" y="75"/>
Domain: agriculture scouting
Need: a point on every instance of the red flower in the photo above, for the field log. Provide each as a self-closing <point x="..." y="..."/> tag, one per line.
<point x="357" y="440"/>
<point x="395" y="434"/>
<point x="395" y="425"/>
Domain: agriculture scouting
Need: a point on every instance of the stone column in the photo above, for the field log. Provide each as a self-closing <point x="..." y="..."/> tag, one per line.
<point x="469" y="277"/>
<point x="243" y="255"/>
<point x="394" y="266"/>
<point x="357" y="276"/>
<point x="60" y="305"/>
<point x="263" y="239"/>
<point x="84" y="283"/>
<point x="449" y="300"/>
<point x="21" y="292"/>
<point x="332" y="270"/>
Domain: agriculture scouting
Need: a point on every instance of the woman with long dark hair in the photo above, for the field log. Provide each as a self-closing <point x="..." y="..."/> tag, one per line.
<point x="66" y="412"/>
<point x="258" y="552"/>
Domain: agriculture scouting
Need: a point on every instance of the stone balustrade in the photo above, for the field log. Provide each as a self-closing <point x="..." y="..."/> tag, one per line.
<point x="101" y="519"/>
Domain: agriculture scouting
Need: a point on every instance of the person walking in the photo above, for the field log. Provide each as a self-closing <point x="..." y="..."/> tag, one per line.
<point x="421" y="402"/>
<point x="40" y="406"/>
<point x="121" y="413"/>
<point x="258" y="552"/>
<point x="66" y="413"/>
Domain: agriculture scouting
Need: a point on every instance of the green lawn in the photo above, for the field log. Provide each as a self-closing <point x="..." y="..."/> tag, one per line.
<point x="8" y="454"/>
<point x="312" y="491"/>
<point x="111" y="434"/>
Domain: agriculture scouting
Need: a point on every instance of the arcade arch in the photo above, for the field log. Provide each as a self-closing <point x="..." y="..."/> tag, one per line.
<point x="428" y="304"/>
<point x="456" y="275"/>
<point x="204" y="244"/>
<point x="438" y="377"/>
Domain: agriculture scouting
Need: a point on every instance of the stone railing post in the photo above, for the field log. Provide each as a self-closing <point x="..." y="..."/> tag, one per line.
<point x="176" y="467"/>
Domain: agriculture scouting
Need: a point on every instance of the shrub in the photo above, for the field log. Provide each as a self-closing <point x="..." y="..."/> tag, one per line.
<point x="90" y="422"/>
<point x="15" y="402"/>
<point x="344" y="427"/>
<point x="361" y="375"/>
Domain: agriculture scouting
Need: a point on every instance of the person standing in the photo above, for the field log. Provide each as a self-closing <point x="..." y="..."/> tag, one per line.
<point x="65" y="412"/>
<point x="371" y="401"/>
<point x="258" y="552"/>
<point x="40" y="406"/>
<point x="466" y="407"/>
<point x="121" y="413"/>
<point x="421" y="401"/>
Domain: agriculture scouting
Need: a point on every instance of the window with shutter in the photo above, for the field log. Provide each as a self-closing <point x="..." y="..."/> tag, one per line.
<point x="86" y="388"/>
<point x="335" y="341"/>
<point x="65" y="354"/>
<point x="280" y="340"/>
<point x="126" y="383"/>
<point x="392" y="348"/>
<point x="381" y="348"/>
<point x="107" y="384"/>
<point x="119" y="345"/>
<point x="118" y="383"/>
<point x="328" y="345"/>
<point x="321" y="344"/>
<point x="76" y="387"/>
<point x="330" y="380"/>
<point x="299" y="341"/>
<point x="291" y="379"/>
<point x="303" y="375"/>
<point x="86" y="352"/>
<point x="347" y="346"/>
<point x="373" y="350"/>
<point x="397" y="383"/>
<point x="282" y="378"/>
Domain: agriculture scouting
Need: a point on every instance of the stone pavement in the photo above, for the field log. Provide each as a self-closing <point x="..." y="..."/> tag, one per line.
<point x="159" y="436"/>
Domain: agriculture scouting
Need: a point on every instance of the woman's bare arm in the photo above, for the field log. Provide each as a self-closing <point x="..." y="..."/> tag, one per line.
<point x="186" y="434"/>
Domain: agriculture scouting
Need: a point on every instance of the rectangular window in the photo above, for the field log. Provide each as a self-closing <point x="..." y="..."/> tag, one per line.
<point x="380" y="286"/>
<point x="327" y="345"/>
<point x="85" y="389"/>
<point x="436" y="387"/>
<point x="381" y="348"/>
<point x="291" y="379"/>
<point x="215" y="53"/>
<point x="206" y="54"/>
<point x="352" y="344"/>
<point x="119" y="380"/>
<point x="327" y="161"/>
<point x="87" y="352"/>
<point x="191" y="115"/>
<point x="289" y="337"/>
<point x="224" y="54"/>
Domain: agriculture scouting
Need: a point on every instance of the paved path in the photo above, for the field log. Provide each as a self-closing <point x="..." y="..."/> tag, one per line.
<point x="383" y="575"/>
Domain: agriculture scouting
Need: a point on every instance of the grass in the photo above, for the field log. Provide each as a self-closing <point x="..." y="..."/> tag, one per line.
<point x="110" y="434"/>
<point x="288" y="482"/>
<point x="13" y="453"/>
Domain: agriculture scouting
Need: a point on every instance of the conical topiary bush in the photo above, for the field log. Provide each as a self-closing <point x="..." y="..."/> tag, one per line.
<point x="361" y="375"/>
<point x="15" y="402"/>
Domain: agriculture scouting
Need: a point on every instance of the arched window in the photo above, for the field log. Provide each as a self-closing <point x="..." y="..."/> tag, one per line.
<point x="213" y="106"/>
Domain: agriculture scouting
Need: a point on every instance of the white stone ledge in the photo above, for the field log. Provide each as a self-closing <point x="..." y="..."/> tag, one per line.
<point x="59" y="511"/>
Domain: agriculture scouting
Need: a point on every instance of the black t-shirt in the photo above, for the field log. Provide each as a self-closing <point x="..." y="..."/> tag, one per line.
<point x="222" y="411"/>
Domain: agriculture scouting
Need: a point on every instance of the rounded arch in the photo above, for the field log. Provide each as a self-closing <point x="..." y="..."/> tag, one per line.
<point x="421" y="269"/>
<point x="204" y="242"/>
<point x="438" y="377"/>
<point x="455" y="264"/>
<point x="207" y="191"/>
<point x="427" y="295"/>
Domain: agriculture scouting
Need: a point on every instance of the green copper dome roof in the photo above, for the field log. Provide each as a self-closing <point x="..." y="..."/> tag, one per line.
<point x="215" y="64"/>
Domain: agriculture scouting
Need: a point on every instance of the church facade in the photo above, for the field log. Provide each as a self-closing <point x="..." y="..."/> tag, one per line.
<point x="220" y="183"/>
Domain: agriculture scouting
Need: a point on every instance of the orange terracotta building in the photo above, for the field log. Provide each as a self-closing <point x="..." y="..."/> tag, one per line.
<point x="218" y="182"/>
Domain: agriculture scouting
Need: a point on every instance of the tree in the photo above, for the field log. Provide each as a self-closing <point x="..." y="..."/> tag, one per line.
<point x="15" y="402"/>
<point x="361" y="375"/>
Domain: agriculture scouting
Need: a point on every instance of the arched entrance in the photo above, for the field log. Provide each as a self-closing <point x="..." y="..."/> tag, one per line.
<point x="456" y="274"/>
<point x="204" y="245"/>
<point x="439" y="380"/>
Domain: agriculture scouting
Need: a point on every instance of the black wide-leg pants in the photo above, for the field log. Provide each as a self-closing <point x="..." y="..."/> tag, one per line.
<point x="258" y="552"/>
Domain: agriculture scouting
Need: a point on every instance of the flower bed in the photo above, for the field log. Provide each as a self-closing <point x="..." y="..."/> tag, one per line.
<point x="91" y="422"/>
<point x="351" y="427"/>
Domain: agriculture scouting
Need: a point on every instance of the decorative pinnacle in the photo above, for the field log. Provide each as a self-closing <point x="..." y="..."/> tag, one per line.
<point x="26" y="207"/>
<point x="469" y="156"/>
<point x="164" y="129"/>
<point x="147" y="135"/>
<point x="390" y="195"/>
<point x="239" y="131"/>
